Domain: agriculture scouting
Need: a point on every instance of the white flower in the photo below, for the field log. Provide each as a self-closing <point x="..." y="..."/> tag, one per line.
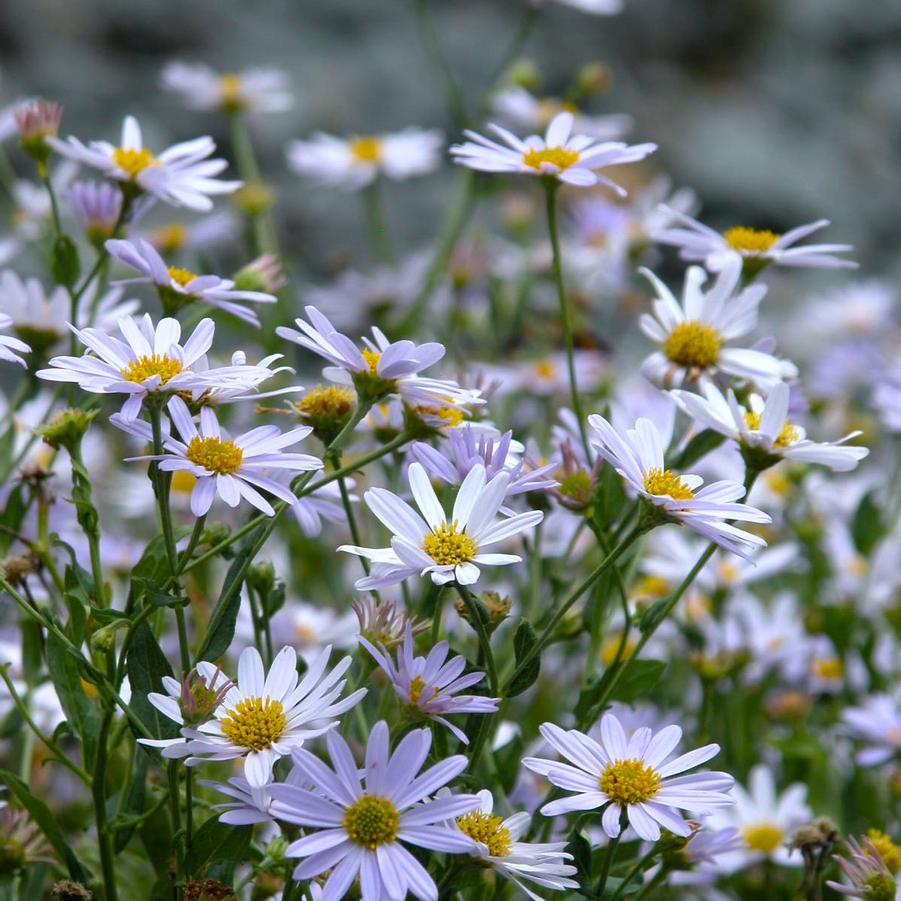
<point x="878" y="723"/>
<point x="148" y="361"/>
<point x="179" y="286"/>
<point x="11" y="347"/>
<point x="361" y="832"/>
<point x="694" y="335"/>
<point x="524" y="110"/>
<point x="629" y="778"/>
<point x="380" y="366"/>
<point x="96" y="205"/>
<point x="756" y="248"/>
<point x="499" y="845"/>
<point x="265" y="716"/>
<point x="765" y="820"/>
<point x="638" y="456"/>
<point x="201" y="88"/>
<point x="592" y="7"/>
<point x="354" y="163"/>
<point x="181" y="175"/>
<point x="570" y="158"/>
<point x="229" y="468"/>
<point x="43" y="317"/>
<point x="764" y="425"/>
<point x="448" y="548"/>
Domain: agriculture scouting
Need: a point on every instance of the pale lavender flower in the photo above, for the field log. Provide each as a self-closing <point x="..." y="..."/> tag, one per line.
<point x="431" y="685"/>
<point x="96" y="205"/>
<point x="878" y="724"/>
<point x="360" y="827"/>
<point x="11" y="347"/>
<point x="868" y="876"/>
<point x="629" y="779"/>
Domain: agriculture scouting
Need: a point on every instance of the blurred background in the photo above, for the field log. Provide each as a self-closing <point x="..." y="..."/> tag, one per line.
<point x="775" y="111"/>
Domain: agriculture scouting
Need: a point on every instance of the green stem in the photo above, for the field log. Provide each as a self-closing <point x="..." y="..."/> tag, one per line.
<point x="432" y="45"/>
<point x="475" y="616"/>
<point x="612" y="845"/>
<point x="649" y="887"/>
<point x="98" y="793"/>
<point x="577" y="592"/>
<point x="551" y="185"/>
<point x="638" y="868"/>
<point x="379" y="236"/>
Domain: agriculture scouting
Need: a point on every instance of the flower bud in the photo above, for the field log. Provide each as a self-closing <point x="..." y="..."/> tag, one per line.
<point x="262" y="274"/>
<point x="38" y="120"/>
<point x="68" y="890"/>
<point x="67" y="428"/>
<point x="261" y="577"/>
<point x="327" y="409"/>
<point x="253" y="199"/>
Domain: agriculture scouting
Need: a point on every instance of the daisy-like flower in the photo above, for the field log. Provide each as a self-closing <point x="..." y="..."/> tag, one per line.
<point x="592" y="7"/>
<point x="694" y="334"/>
<point x="878" y="724"/>
<point x="430" y="685"/>
<point x="380" y="367"/>
<point x="765" y="819"/>
<point x="463" y="449"/>
<point x="448" y="548"/>
<point x="868" y="876"/>
<point x="638" y="456"/>
<point x="11" y="347"/>
<point x="573" y="159"/>
<point x="149" y="360"/>
<point x="249" y="804"/>
<point x="383" y="622"/>
<point x="230" y="468"/>
<point x="96" y="205"/>
<point x="180" y="176"/>
<point x="40" y="318"/>
<point x="499" y="846"/>
<point x="629" y="778"/>
<point x="754" y="248"/>
<point x="177" y="286"/>
<point x="264" y="716"/>
<point x="764" y="427"/>
<point x="354" y="163"/>
<point x="201" y="88"/>
<point x="361" y="830"/>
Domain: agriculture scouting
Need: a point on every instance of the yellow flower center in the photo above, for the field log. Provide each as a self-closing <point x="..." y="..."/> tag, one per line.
<point x="305" y="633"/>
<point x="629" y="781"/>
<point x="728" y="572"/>
<point x="787" y="436"/>
<point x="134" y="162"/>
<point x="750" y="240"/>
<point x="450" y="416"/>
<point x="556" y="156"/>
<point x="366" y="150"/>
<point x="666" y="482"/>
<point x="183" y="482"/>
<point x="142" y="368"/>
<point x="417" y="686"/>
<point x="610" y="649"/>
<point x="489" y="830"/>
<point x="888" y="850"/>
<point x="181" y="276"/>
<point x="326" y="401"/>
<point x="545" y="369"/>
<point x="827" y="668"/>
<point x="254" y="723"/>
<point x="447" y="546"/>
<point x="372" y="358"/>
<point x="371" y="821"/>
<point x="230" y="90"/>
<point x="693" y="345"/>
<point x="765" y="837"/>
<point x="169" y="238"/>
<point x="651" y="587"/>
<point x="215" y="455"/>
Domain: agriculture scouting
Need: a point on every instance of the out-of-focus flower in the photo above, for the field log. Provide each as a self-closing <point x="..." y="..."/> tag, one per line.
<point x="449" y="549"/>
<point x="592" y="7"/>
<point x="764" y="427"/>
<point x="755" y="248"/>
<point x="38" y="120"/>
<point x="201" y="88"/>
<point x="382" y="622"/>
<point x="354" y="163"/>
<point x="637" y="455"/>
<point x="766" y="820"/>
<point x="868" y="876"/>
<point x="878" y="724"/>
<point x="573" y="159"/>
<point x="11" y="347"/>
<point x="180" y="176"/>
<point x="629" y="778"/>
<point x="361" y="831"/>
<point x="431" y="685"/>
<point x="96" y="205"/>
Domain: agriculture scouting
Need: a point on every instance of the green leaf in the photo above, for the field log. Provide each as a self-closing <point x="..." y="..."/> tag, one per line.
<point x="524" y="639"/>
<point x="81" y="711"/>
<point x="221" y="627"/>
<point x="580" y="848"/>
<point x="46" y="822"/>
<point x="699" y="446"/>
<point x="868" y="527"/>
<point x="65" y="265"/>
<point x="610" y="498"/>
<point x="135" y="795"/>
<point x="146" y="666"/>
<point x="217" y="841"/>
<point x="639" y="679"/>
